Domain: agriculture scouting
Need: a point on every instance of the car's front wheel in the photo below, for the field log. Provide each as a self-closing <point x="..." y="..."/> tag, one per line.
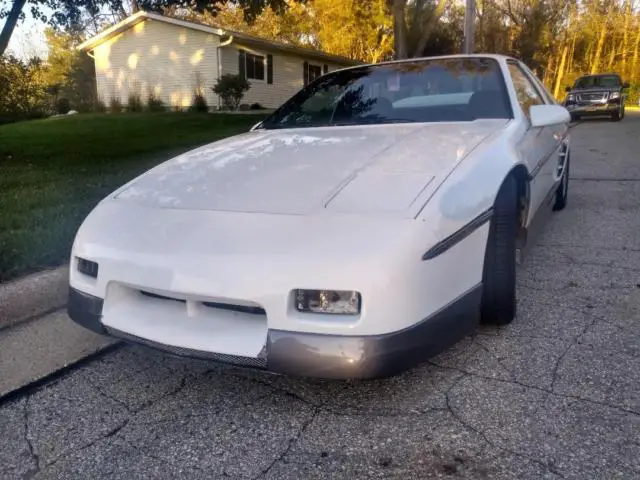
<point x="562" y="193"/>
<point x="499" y="274"/>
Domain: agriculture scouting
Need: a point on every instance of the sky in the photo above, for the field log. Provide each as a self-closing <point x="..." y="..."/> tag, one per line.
<point x="28" y="38"/>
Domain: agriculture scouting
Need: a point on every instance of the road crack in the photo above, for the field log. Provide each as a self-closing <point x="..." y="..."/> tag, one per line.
<point x="538" y="388"/>
<point x="474" y="341"/>
<point x="604" y="179"/>
<point x="32" y="451"/>
<point x="291" y="444"/>
<point x="109" y="397"/>
<point x="485" y="437"/>
<point x="112" y="432"/>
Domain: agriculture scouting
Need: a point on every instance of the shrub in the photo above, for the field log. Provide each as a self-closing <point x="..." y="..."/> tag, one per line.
<point x="134" y="103"/>
<point x="231" y="89"/>
<point x="154" y="104"/>
<point x="63" y="106"/>
<point x="99" y="106"/>
<point x="199" y="103"/>
<point x="115" y="105"/>
<point x="256" y="106"/>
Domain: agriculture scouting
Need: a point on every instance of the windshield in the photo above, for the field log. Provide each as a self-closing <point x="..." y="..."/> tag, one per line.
<point x="598" y="81"/>
<point x="437" y="90"/>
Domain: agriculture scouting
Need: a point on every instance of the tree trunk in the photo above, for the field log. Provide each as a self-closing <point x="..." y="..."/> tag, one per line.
<point x="625" y="38"/>
<point x="548" y="69"/>
<point x="563" y="59"/>
<point x="399" y="29"/>
<point x="428" y="29"/>
<point x="572" y="52"/>
<point x="634" y="61"/>
<point x="480" y="13"/>
<point x="612" y="56"/>
<point x="595" y="64"/>
<point x="10" y="24"/>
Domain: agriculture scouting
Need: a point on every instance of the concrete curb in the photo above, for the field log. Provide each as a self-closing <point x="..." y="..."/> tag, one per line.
<point x="34" y="351"/>
<point x="33" y="295"/>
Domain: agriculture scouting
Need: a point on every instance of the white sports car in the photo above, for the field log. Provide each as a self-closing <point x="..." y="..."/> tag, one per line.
<point x="369" y="223"/>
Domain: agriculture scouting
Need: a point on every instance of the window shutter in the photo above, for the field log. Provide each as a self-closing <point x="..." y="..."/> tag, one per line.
<point x="242" y="63"/>
<point x="325" y="68"/>
<point x="269" y="68"/>
<point x="305" y="73"/>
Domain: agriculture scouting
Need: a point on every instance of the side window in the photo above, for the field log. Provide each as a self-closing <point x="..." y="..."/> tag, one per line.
<point x="525" y="89"/>
<point x="546" y="94"/>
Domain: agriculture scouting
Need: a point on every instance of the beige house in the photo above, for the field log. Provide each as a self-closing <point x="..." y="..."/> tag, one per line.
<point x="173" y="58"/>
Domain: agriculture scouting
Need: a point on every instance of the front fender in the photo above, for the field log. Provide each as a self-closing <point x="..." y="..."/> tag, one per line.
<point x="471" y="189"/>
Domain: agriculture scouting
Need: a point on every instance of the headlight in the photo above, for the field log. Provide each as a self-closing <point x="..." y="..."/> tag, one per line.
<point x="328" y="301"/>
<point x="571" y="97"/>
<point x="614" y="95"/>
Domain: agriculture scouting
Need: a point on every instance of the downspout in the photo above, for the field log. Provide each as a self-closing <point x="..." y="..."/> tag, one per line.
<point x="222" y="44"/>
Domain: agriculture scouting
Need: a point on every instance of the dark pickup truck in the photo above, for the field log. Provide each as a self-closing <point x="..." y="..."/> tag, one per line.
<point x="601" y="94"/>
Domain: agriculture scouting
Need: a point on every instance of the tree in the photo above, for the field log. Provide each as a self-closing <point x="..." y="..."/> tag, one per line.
<point x="360" y="29"/>
<point x="11" y="20"/>
<point x="413" y="24"/>
<point x="23" y="92"/>
<point x="91" y="15"/>
<point x="292" y="25"/>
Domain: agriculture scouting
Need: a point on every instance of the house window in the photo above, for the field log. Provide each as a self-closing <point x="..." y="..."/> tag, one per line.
<point x="254" y="66"/>
<point x="315" y="71"/>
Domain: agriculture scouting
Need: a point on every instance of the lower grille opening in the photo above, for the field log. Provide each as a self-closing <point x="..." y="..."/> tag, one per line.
<point x="162" y="297"/>
<point x="252" y="310"/>
<point x="236" y="308"/>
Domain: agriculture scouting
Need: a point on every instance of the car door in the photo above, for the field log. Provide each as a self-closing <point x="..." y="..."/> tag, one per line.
<point x="538" y="146"/>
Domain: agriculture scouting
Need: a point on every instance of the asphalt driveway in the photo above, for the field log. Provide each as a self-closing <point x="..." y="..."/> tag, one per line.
<point x="556" y="394"/>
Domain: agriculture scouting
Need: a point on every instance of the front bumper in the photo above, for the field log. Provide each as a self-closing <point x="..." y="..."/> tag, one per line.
<point x="322" y="355"/>
<point x="591" y="109"/>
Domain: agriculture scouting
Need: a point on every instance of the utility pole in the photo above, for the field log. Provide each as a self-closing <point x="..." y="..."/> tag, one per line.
<point x="469" y="26"/>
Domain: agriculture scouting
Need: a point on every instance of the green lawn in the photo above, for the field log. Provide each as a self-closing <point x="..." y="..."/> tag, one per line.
<point x="52" y="173"/>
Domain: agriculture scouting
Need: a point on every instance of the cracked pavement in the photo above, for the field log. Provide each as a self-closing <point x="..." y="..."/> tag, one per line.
<point x="556" y="394"/>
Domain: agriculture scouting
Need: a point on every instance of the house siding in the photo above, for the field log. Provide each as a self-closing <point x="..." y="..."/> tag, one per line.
<point x="288" y="75"/>
<point x="153" y="56"/>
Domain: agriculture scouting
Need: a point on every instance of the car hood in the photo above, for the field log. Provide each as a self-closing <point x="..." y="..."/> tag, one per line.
<point x="380" y="169"/>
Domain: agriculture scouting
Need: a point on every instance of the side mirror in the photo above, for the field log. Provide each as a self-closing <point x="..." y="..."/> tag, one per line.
<point x="625" y="85"/>
<point x="256" y="126"/>
<point x="567" y="89"/>
<point x="548" y="115"/>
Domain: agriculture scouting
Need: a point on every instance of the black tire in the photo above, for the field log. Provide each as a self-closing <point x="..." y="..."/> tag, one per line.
<point x="499" y="274"/>
<point x="575" y="118"/>
<point x="562" y="193"/>
<point x="615" y="117"/>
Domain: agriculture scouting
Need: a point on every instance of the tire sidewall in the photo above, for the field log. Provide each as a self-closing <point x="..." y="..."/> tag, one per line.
<point x="499" y="273"/>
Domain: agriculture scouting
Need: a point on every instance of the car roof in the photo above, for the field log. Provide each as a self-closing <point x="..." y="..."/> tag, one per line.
<point x="612" y="74"/>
